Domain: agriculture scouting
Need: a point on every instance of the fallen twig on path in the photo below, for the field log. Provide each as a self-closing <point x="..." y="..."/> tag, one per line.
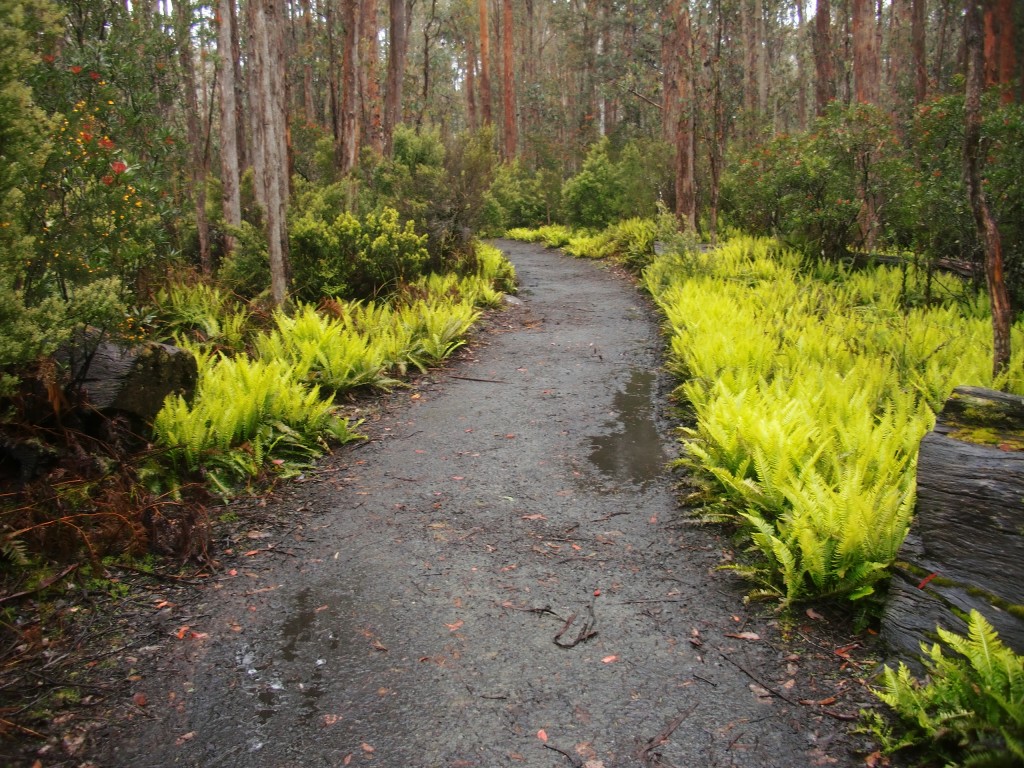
<point x="752" y="676"/>
<point x="586" y="632"/>
<point x="473" y="378"/>
<point x="644" y="753"/>
<point x="576" y="761"/>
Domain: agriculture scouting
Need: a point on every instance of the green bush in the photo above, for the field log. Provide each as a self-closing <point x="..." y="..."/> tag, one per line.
<point x="809" y="189"/>
<point x="246" y="271"/>
<point x="593" y="197"/>
<point x="516" y="199"/>
<point x="351" y="259"/>
<point x="935" y="215"/>
<point x="647" y="177"/>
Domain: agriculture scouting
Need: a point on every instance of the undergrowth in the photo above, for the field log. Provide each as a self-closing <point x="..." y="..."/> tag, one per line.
<point x="810" y="398"/>
<point x="968" y="711"/>
<point x="266" y="401"/>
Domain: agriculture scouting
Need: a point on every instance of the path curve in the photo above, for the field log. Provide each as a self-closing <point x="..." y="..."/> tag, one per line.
<point x="409" y="620"/>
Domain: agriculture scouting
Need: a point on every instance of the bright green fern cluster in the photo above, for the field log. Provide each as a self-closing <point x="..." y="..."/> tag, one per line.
<point x="810" y="398"/>
<point x="552" y="235"/>
<point x="246" y="413"/>
<point x="276" y="408"/>
<point x="970" y="709"/>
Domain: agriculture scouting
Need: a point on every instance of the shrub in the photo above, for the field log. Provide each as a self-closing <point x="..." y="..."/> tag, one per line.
<point x="352" y="259"/>
<point x="809" y="189"/>
<point x="593" y="197"/>
<point x="517" y="197"/>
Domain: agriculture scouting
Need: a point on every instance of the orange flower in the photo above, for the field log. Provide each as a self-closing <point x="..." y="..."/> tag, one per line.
<point x="75" y="69"/>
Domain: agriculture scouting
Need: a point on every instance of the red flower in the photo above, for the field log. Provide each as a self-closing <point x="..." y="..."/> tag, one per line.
<point x="106" y="143"/>
<point x="118" y="167"/>
<point x="75" y="69"/>
<point x="49" y="58"/>
<point x="108" y="180"/>
<point x="94" y="75"/>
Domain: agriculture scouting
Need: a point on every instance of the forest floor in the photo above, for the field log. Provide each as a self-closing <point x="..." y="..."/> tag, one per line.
<point x="500" y="576"/>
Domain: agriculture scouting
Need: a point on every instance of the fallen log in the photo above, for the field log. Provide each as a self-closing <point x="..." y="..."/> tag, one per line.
<point x="966" y="546"/>
<point x="133" y="379"/>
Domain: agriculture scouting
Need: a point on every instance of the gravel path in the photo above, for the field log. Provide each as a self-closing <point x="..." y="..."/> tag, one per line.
<point x="500" y="578"/>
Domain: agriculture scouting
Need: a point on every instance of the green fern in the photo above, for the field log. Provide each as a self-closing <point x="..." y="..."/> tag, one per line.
<point x="810" y="400"/>
<point x="970" y="712"/>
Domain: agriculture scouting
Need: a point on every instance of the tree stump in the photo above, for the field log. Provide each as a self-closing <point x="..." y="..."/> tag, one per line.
<point x="966" y="545"/>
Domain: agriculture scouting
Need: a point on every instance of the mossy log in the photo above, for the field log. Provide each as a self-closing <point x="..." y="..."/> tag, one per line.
<point x="132" y="379"/>
<point x="966" y="547"/>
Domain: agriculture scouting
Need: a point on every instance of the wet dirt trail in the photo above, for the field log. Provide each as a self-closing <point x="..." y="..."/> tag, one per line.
<point x="410" y="617"/>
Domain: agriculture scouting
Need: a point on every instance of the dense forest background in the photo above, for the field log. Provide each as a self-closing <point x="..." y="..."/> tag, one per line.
<point x="139" y="138"/>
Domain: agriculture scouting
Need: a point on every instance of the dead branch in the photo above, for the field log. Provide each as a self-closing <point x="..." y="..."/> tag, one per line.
<point x="42" y="585"/>
<point x="586" y="632"/>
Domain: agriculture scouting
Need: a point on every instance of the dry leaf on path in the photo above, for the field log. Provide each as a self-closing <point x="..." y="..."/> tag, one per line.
<point x="542" y="735"/>
<point x="744" y="635"/>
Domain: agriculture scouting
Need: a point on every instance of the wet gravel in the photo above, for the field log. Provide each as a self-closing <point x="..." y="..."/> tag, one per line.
<point x="408" y="614"/>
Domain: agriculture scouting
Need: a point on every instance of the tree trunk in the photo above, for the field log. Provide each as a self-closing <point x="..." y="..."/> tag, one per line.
<point x="918" y="30"/>
<point x="670" y="75"/>
<point x="369" y="86"/>
<point x="269" y="103"/>
<point x="485" y="65"/>
<point x="398" y="42"/>
<point x="199" y="156"/>
<point x="244" y="153"/>
<point x="308" y="107"/>
<point x="333" y="77"/>
<point x="348" y="139"/>
<point x="750" y="65"/>
<point x="716" y="151"/>
<point x="901" y="53"/>
<point x="801" y="70"/>
<point x="988" y="231"/>
<point x="761" y="51"/>
<point x="967" y="528"/>
<point x="1000" y="54"/>
<point x="824" y="72"/>
<point x="230" y="168"/>
<point x="865" y="53"/>
<point x="508" y="86"/>
<point x="471" y="83"/>
<point x="686" y="198"/>
<point x="429" y="27"/>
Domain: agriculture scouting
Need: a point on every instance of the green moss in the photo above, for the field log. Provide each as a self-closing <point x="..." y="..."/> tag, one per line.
<point x="1008" y="440"/>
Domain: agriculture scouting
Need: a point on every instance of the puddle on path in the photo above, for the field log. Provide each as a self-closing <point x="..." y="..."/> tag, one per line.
<point x="632" y="452"/>
<point x="292" y="679"/>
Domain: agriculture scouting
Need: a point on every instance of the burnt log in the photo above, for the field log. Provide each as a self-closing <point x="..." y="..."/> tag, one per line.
<point x="966" y="546"/>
